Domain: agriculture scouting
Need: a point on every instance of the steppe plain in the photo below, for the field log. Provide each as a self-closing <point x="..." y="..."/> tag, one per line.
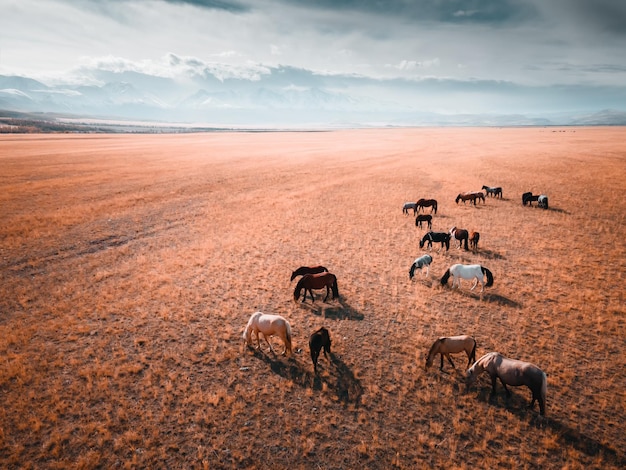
<point x="129" y="265"/>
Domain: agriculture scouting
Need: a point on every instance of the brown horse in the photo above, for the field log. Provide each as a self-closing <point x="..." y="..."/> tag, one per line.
<point x="308" y="282"/>
<point x="318" y="340"/>
<point x="453" y="344"/>
<point x="461" y="235"/>
<point x="511" y="372"/>
<point x="424" y="218"/>
<point x="471" y="197"/>
<point x="423" y="203"/>
<point x="302" y="270"/>
<point x="473" y="240"/>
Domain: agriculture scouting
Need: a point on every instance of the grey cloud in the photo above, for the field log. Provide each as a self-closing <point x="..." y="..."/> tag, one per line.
<point x="234" y="7"/>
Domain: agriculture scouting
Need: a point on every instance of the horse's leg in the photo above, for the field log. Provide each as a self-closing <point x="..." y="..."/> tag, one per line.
<point x="475" y="283"/>
<point x="258" y="342"/>
<point x="493" y="385"/>
<point x="450" y="360"/>
<point x="441" y="366"/>
<point x="427" y="268"/>
<point x="268" y="342"/>
<point x="327" y="292"/>
<point x="508" y="392"/>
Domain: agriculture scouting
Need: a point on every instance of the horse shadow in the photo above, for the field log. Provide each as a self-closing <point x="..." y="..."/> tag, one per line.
<point x="501" y="300"/>
<point x="489" y="254"/>
<point x="342" y="312"/>
<point x="517" y="405"/>
<point x="340" y="378"/>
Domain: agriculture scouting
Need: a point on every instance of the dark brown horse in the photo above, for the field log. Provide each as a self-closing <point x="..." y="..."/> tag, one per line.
<point x="473" y="240"/>
<point x="302" y="270"/>
<point x="528" y="198"/>
<point x="461" y="235"/>
<point x="423" y="203"/>
<point x="424" y="218"/>
<point x="318" y="340"/>
<point x="308" y="282"/>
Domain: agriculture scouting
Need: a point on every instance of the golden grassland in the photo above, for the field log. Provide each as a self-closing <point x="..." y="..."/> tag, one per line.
<point x="129" y="265"/>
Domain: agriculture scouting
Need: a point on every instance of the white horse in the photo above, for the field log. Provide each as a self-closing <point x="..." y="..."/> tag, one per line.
<point x="468" y="271"/>
<point x="409" y="205"/>
<point x="452" y="344"/>
<point x="511" y="372"/>
<point x="419" y="263"/>
<point x="268" y="325"/>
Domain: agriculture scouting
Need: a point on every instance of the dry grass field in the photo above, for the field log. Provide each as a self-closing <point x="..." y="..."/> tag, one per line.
<point x="129" y="265"/>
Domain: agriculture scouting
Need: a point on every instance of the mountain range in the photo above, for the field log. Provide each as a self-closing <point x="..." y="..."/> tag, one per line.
<point x="289" y="97"/>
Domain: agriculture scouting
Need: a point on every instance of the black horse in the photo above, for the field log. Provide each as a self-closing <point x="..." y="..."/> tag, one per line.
<point x="318" y="340"/>
<point x="528" y="198"/>
<point x="441" y="237"/>
<point x="424" y="218"/>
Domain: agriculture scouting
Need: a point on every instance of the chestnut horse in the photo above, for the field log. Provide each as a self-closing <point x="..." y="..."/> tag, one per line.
<point x="511" y="372"/>
<point x="423" y="203"/>
<point x="318" y="340"/>
<point x="461" y="235"/>
<point x="308" y="282"/>
<point x="473" y="240"/>
<point x="453" y="344"/>
<point x="424" y="218"/>
<point x="302" y="270"/>
<point x="471" y="197"/>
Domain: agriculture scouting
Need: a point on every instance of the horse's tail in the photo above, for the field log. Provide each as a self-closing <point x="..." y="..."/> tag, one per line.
<point x="287" y="337"/>
<point x="544" y="391"/>
<point x="465" y="240"/>
<point x="335" y="289"/>
<point x="444" y="279"/>
<point x="435" y="206"/>
<point x="447" y="242"/>
<point x="489" y="276"/>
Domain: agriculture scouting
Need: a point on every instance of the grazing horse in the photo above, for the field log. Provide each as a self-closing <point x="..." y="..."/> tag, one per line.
<point x="424" y="218"/>
<point x="268" y="325"/>
<point x="318" y="340"/>
<point x="453" y="344"/>
<point x="308" y="282"/>
<point x="419" y="263"/>
<point x="302" y="270"/>
<point x="408" y="206"/>
<point x="494" y="191"/>
<point x="461" y="235"/>
<point x="528" y="198"/>
<point x="471" y="197"/>
<point x="431" y="237"/>
<point x="473" y="240"/>
<point x="542" y="201"/>
<point x="423" y="203"/>
<point x="511" y="372"/>
<point x="468" y="271"/>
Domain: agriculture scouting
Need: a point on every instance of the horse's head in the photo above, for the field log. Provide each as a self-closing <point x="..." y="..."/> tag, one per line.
<point x="452" y="230"/>
<point x="412" y="270"/>
<point x="458" y="198"/>
<point x="422" y="242"/>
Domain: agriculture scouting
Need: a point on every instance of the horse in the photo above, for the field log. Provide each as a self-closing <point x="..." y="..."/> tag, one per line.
<point x="473" y="240"/>
<point x="542" y="201"/>
<point x="419" y="263"/>
<point x="529" y="198"/>
<point x="494" y="191"/>
<point x="468" y="271"/>
<point x="471" y="197"/>
<point x="318" y="340"/>
<point x="453" y="344"/>
<point x="408" y="206"/>
<point x="423" y="203"/>
<point x="268" y="325"/>
<point x="302" y="270"/>
<point x="424" y="218"/>
<point x="308" y="282"/>
<point x="431" y="237"/>
<point x="461" y="235"/>
<point x="512" y="372"/>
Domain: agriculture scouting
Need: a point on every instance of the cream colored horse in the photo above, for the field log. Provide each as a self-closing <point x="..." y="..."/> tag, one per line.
<point x="453" y="344"/>
<point x="268" y="325"/>
<point x="511" y="372"/>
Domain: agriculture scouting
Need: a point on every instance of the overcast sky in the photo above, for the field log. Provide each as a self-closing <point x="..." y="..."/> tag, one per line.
<point x="524" y="42"/>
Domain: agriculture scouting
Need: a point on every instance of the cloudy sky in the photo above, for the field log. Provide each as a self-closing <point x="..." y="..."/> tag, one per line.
<point x="524" y="44"/>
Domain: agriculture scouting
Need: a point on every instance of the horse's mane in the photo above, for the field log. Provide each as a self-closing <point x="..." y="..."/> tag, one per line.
<point x="296" y="292"/>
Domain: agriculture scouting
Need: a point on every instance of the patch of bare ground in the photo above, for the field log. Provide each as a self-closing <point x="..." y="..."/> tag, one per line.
<point x="130" y="264"/>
